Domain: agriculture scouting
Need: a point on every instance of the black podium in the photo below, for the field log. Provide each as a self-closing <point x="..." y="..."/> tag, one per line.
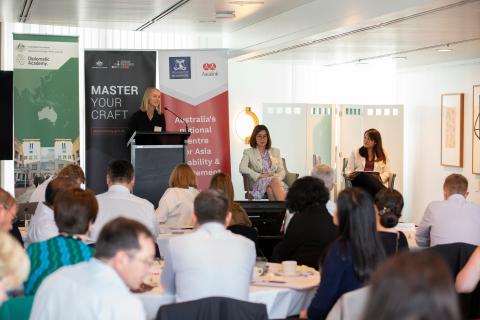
<point x="154" y="155"/>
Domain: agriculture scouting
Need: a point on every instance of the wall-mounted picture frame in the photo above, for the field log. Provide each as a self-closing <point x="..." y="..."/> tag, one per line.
<point x="476" y="130"/>
<point x="452" y="130"/>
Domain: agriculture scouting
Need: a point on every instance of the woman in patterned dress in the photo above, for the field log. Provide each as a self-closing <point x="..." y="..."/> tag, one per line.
<point x="264" y="165"/>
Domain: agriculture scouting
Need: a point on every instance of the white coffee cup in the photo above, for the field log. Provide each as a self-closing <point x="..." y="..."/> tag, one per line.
<point x="257" y="273"/>
<point x="289" y="267"/>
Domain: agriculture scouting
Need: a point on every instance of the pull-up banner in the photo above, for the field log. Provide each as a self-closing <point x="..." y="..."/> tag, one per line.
<point x="194" y="86"/>
<point x="46" y="108"/>
<point x="114" y="86"/>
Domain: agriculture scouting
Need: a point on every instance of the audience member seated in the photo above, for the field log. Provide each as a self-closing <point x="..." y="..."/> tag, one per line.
<point x="388" y="209"/>
<point x="352" y="258"/>
<point x="14" y="264"/>
<point x="412" y="285"/>
<point x="264" y="165"/>
<point x="452" y="220"/>
<point x="8" y="210"/>
<point x="176" y="205"/>
<point x="222" y="182"/>
<point x="42" y="226"/>
<point x="325" y="173"/>
<point x="311" y="230"/>
<point x="212" y="261"/>
<point x="469" y="277"/>
<point x="99" y="288"/>
<point x="75" y="211"/>
<point x="71" y="171"/>
<point x="119" y="202"/>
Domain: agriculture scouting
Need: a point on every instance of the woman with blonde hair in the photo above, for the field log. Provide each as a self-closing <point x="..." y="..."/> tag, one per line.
<point x="176" y="205"/>
<point x="8" y="210"/>
<point x="150" y="116"/>
<point x="14" y="265"/>
<point x="222" y="182"/>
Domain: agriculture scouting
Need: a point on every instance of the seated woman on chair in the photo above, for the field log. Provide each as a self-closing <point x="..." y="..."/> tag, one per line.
<point x="370" y="157"/>
<point x="264" y="165"/>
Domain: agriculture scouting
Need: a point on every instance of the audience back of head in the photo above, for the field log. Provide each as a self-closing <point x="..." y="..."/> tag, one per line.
<point x="56" y="186"/>
<point x="7" y="210"/>
<point x="389" y="204"/>
<point x="222" y="182"/>
<point x="211" y="206"/>
<point x="305" y="192"/>
<point x="455" y="184"/>
<point x="14" y="263"/>
<point x="357" y="226"/>
<point x="120" y="234"/>
<point x="412" y="285"/>
<point x="75" y="210"/>
<point x="325" y="173"/>
<point x="74" y="172"/>
<point x="120" y="171"/>
<point x="182" y="176"/>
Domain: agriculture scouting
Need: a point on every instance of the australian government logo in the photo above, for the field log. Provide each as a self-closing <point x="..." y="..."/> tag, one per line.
<point x="209" y="70"/>
<point x="180" y="67"/>
<point x="20" y="47"/>
<point x="99" y="65"/>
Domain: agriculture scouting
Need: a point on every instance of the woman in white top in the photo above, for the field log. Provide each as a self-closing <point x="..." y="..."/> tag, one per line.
<point x="370" y="157"/>
<point x="176" y="205"/>
<point x="264" y="165"/>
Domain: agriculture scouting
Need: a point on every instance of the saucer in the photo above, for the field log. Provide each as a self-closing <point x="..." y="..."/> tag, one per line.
<point x="281" y="274"/>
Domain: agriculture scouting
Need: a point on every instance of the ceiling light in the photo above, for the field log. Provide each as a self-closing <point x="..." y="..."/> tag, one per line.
<point x="445" y="49"/>
<point x="225" y="14"/>
<point x="245" y="3"/>
<point x="207" y="21"/>
<point x="399" y="58"/>
<point x="361" y="62"/>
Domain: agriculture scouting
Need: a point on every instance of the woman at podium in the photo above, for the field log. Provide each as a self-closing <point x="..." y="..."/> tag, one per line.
<point x="149" y="117"/>
<point x="264" y="165"/>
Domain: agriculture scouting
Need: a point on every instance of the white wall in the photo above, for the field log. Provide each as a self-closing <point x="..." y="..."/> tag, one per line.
<point x="420" y="91"/>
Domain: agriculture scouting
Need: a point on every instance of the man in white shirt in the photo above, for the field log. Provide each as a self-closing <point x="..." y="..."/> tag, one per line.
<point x="327" y="175"/>
<point x="451" y="220"/>
<point x="42" y="226"/>
<point x="118" y="201"/>
<point x="211" y="261"/>
<point x="71" y="171"/>
<point x="99" y="288"/>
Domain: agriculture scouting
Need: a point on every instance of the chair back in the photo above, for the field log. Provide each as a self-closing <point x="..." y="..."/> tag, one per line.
<point x="213" y="308"/>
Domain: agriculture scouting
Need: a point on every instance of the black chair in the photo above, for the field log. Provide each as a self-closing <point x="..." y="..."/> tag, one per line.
<point x="213" y="308"/>
<point x="456" y="256"/>
<point x="249" y="233"/>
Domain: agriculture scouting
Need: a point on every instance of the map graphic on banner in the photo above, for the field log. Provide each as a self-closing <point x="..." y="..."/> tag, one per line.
<point x="194" y="86"/>
<point x="46" y="108"/>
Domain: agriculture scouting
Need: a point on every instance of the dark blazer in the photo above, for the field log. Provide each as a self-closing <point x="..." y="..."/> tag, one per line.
<point x="214" y="308"/>
<point x="308" y="235"/>
<point x="391" y="243"/>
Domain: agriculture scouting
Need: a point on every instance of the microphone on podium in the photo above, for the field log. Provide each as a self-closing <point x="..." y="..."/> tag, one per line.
<point x="176" y="115"/>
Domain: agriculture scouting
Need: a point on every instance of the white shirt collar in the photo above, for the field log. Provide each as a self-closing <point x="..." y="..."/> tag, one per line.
<point x="118" y="188"/>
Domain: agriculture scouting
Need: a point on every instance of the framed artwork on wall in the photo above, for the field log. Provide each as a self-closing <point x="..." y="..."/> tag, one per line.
<point x="452" y="130"/>
<point x="476" y="131"/>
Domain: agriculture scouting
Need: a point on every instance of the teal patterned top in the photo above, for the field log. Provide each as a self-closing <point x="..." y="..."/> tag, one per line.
<point x="49" y="255"/>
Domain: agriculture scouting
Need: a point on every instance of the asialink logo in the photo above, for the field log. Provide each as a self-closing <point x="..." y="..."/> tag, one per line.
<point x="180" y="67"/>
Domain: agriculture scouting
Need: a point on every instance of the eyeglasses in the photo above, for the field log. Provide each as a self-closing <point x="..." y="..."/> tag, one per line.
<point x="262" y="137"/>
<point x="146" y="261"/>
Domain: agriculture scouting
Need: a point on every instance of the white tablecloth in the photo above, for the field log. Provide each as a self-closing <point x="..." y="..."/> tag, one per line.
<point x="281" y="302"/>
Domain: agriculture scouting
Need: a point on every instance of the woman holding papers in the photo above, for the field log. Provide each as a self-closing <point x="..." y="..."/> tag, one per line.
<point x="371" y="157"/>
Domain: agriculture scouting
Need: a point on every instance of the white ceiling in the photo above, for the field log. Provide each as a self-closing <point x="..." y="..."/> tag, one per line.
<point x="329" y="32"/>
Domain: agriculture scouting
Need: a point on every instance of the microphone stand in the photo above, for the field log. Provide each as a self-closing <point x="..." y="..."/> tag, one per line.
<point x="176" y="115"/>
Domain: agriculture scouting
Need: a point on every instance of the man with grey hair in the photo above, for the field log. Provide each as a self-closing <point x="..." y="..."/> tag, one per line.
<point x="325" y="173"/>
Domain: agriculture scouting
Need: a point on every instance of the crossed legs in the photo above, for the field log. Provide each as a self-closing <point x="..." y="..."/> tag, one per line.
<point x="275" y="190"/>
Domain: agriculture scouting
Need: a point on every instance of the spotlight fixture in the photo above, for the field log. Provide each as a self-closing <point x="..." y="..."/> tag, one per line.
<point x="445" y="49"/>
<point x="361" y="62"/>
<point x="225" y="14"/>
<point x="243" y="3"/>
